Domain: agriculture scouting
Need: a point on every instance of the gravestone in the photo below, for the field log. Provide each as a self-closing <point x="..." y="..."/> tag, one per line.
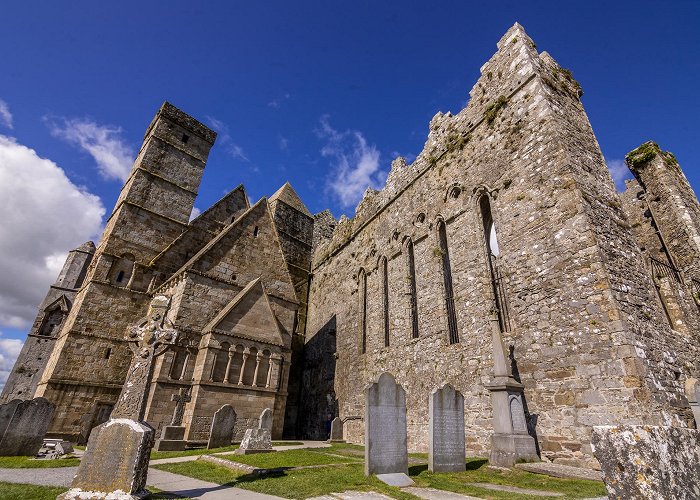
<point x="386" y="451"/>
<point x="115" y="464"/>
<point x="337" y="431"/>
<point x="446" y="440"/>
<point x="172" y="437"/>
<point x="222" y="425"/>
<point x="23" y="425"/>
<point x="258" y="440"/>
<point x="647" y="462"/>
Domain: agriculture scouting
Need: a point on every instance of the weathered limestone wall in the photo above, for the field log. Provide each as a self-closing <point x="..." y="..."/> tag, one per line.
<point x="577" y="292"/>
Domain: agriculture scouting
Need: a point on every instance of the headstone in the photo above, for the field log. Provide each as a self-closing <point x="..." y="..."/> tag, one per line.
<point x="398" y="479"/>
<point x="115" y="464"/>
<point x="258" y="440"/>
<point x="337" y="431"/>
<point x="222" y="425"/>
<point x="645" y="462"/>
<point x="386" y="451"/>
<point x="510" y="441"/>
<point x="172" y="436"/>
<point x="23" y="425"/>
<point x="446" y="440"/>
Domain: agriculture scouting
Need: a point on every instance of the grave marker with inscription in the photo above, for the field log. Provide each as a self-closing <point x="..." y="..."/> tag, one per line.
<point x="446" y="440"/>
<point x="222" y="425"/>
<point x="23" y="425"/>
<point x="336" y="431"/>
<point x="386" y="451"/>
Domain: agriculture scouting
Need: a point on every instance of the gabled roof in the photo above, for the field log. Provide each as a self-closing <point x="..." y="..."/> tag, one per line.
<point x="249" y="315"/>
<point x="287" y="194"/>
<point x="60" y="303"/>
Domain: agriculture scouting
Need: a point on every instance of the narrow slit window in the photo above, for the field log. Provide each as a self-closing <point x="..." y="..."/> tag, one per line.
<point x="412" y="290"/>
<point x="120" y="276"/>
<point x="108" y="352"/>
<point x="362" y="289"/>
<point x="185" y="138"/>
<point x="447" y="279"/>
<point x="256" y="230"/>
<point x="385" y="297"/>
<point x="493" y="252"/>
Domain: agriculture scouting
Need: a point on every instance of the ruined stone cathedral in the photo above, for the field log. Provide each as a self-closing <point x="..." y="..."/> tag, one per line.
<point x="509" y="214"/>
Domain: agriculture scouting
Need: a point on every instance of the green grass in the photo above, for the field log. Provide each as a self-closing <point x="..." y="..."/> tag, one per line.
<point x="302" y="483"/>
<point x="14" y="491"/>
<point x="156" y="455"/>
<point x="478" y="472"/>
<point x="29" y="463"/>
<point x="289" y="458"/>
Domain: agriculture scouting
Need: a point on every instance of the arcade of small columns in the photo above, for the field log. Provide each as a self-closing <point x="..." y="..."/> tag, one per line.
<point x="240" y="364"/>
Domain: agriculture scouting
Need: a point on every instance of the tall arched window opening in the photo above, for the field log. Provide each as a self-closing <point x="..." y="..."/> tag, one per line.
<point x="412" y="290"/>
<point x="385" y="298"/>
<point x="362" y="290"/>
<point x="495" y="269"/>
<point x="220" y="362"/>
<point x="447" y="278"/>
<point x="177" y="369"/>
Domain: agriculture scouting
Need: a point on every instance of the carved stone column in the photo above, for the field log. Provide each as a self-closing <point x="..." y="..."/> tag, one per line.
<point x="257" y="367"/>
<point x="231" y="352"/>
<point x="273" y="378"/>
<point x="246" y="353"/>
<point x="269" y="373"/>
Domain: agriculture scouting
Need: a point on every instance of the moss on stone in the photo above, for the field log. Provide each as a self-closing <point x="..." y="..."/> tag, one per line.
<point x="492" y="109"/>
<point x="642" y="154"/>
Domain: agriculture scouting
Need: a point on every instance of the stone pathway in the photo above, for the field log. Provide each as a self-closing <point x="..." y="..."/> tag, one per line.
<point x="353" y="495"/>
<point x="188" y="487"/>
<point x="433" y="494"/>
<point x="59" y="476"/>
<point x="515" y="489"/>
<point x="563" y="471"/>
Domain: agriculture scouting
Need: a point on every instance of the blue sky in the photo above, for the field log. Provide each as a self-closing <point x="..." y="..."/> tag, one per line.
<point x="302" y="91"/>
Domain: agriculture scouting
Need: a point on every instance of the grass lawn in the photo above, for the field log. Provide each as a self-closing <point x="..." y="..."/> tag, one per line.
<point x="13" y="491"/>
<point x="478" y="472"/>
<point x="290" y="458"/>
<point x="303" y="483"/>
<point x="155" y="455"/>
<point x="28" y="463"/>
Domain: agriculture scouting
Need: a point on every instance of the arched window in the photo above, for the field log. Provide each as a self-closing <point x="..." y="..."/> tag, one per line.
<point x="121" y="270"/>
<point x="234" y="372"/>
<point x="412" y="290"/>
<point x="249" y="370"/>
<point x="177" y="369"/>
<point x="263" y="369"/>
<point x="495" y="271"/>
<point x="220" y="362"/>
<point x="384" y="264"/>
<point x="52" y="322"/>
<point x="453" y="334"/>
<point x="362" y="292"/>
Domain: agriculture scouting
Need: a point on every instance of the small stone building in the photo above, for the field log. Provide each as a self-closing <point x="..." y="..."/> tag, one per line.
<point x="508" y="213"/>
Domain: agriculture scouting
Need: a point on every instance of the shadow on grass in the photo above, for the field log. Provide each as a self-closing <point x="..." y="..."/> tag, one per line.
<point x="414" y="470"/>
<point x="476" y="464"/>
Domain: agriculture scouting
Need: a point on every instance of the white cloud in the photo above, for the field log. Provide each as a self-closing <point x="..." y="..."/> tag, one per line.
<point x="277" y="102"/>
<point x="5" y="115"/>
<point x="224" y="138"/>
<point x="9" y="350"/>
<point x="43" y="216"/>
<point x="283" y="143"/>
<point x="619" y="171"/>
<point x="195" y="213"/>
<point x="103" y="142"/>
<point x="355" y="164"/>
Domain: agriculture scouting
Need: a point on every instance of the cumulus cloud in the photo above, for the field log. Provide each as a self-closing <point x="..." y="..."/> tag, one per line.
<point x="355" y="164"/>
<point x="5" y="115"/>
<point x="43" y="216"/>
<point x="619" y="171"/>
<point x="224" y="138"/>
<point x="195" y="213"/>
<point x="103" y="142"/>
<point x="9" y="350"/>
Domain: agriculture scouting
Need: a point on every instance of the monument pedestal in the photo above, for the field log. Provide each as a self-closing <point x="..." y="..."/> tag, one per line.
<point x="171" y="439"/>
<point x="115" y="463"/>
<point x="507" y="449"/>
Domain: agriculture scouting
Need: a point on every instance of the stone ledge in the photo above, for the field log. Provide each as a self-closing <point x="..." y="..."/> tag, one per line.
<point x="563" y="471"/>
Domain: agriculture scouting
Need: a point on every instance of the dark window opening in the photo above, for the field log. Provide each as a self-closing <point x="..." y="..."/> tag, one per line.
<point x="185" y="138"/>
<point x="108" y="352"/>
<point x="256" y="231"/>
<point x="363" y="311"/>
<point x="413" y="292"/>
<point x="494" y="266"/>
<point x="447" y="279"/>
<point x="385" y="285"/>
<point x="120" y="276"/>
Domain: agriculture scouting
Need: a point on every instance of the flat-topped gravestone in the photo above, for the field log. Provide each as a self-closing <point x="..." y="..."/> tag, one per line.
<point x="647" y="462"/>
<point x="446" y="440"/>
<point x="336" y="430"/>
<point x="398" y="479"/>
<point x="25" y="424"/>
<point x="222" y="425"/>
<point x="258" y="440"/>
<point x="385" y="427"/>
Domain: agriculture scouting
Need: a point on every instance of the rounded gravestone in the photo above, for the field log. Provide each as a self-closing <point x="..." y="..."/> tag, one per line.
<point x="222" y="425"/>
<point x="446" y="450"/>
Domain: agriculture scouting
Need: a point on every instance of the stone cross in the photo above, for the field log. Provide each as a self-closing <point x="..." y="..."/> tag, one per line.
<point x="149" y="339"/>
<point x="181" y="400"/>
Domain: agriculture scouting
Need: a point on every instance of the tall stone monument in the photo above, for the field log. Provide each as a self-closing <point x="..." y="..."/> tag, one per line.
<point x="117" y="455"/>
<point x="510" y="441"/>
<point x="23" y="425"/>
<point x="386" y="451"/>
<point x="258" y="440"/>
<point x="222" y="426"/>
<point x="446" y="440"/>
<point x="172" y="437"/>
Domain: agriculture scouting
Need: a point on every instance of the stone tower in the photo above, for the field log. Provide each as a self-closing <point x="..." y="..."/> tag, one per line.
<point x="508" y="210"/>
<point x="152" y="210"/>
<point x="53" y="310"/>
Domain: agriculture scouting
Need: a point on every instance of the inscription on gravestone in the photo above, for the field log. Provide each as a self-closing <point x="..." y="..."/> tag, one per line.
<point x="222" y="427"/>
<point x="446" y="441"/>
<point x="385" y="427"/>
